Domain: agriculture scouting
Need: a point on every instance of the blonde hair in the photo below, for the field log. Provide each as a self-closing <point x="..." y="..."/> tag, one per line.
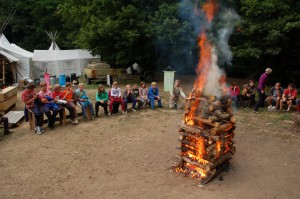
<point x="115" y="83"/>
<point x="42" y="84"/>
<point x="56" y="86"/>
<point x="153" y="84"/>
<point x="80" y="84"/>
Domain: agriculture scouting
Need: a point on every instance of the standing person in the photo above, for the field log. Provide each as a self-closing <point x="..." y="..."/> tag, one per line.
<point x="128" y="97"/>
<point x="289" y="97"/>
<point x="175" y="94"/>
<point x="261" y="89"/>
<point x="275" y="97"/>
<point x="143" y="94"/>
<point x="101" y="99"/>
<point x="153" y="94"/>
<point x="59" y="95"/>
<point x="32" y="102"/>
<point x="116" y="96"/>
<point x="70" y="96"/>
<point x="48" y="104"/>
<point x="84" y="100"/>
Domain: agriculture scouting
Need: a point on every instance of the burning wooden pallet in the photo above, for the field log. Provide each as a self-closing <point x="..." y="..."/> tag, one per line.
<point x="206" y="137"/>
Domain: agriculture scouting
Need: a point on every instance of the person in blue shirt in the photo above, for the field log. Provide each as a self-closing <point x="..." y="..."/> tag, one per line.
<point x="153" y="95"/>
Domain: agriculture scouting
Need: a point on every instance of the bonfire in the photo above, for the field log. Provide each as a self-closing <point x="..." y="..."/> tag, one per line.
<point x="207" y="129"/>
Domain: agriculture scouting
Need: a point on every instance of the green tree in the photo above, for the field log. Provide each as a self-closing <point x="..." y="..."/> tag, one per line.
<point x="268" y="35"/>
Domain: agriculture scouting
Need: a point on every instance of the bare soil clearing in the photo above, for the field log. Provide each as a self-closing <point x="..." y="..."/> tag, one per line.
<point x="129" y="156"/>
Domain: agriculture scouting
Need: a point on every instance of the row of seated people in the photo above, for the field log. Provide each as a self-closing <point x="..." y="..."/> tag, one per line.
<point x="53" y="103"/>
<point x="277" y="98"/>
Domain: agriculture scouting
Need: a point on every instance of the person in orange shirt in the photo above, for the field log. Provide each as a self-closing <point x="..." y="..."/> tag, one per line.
<point x="70" y="97"/>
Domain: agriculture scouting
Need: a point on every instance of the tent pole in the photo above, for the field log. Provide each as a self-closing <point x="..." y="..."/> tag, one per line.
<point x="3" y="71"/>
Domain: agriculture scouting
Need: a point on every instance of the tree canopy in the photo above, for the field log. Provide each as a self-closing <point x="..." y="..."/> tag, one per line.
<point x="158" y="33"/>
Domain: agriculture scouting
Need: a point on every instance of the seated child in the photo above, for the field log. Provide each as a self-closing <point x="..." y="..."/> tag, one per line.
<point x="175" y="94"/>
<point x="48" y="104"/>
<point x="289" y="97"/>
<point x="248" y="93"/>
<point x="32" y="102"/>
<point x="143" y="91"/>
<point x="136" y="95"/>
<point x="128" y="97"/>
<point x="116" y="96"/>
<point x="153" y="95"/>
<point x="234" y="92"/>
<point x="69" y="105"/>
<point x="274" y="99"/>
<point x="84" y="101"/>
<point x="101" y="99"/>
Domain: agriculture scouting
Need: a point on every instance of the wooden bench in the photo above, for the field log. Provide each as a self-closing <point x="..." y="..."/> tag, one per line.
<point x="31" y="117"/>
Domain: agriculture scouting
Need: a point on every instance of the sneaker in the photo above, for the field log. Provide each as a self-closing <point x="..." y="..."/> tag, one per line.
<point x="109" y="113"/>
<point x="134" y="110"/>
<point x="123" y="112"/>
<point x="270" y="107"/>
<point x="75" y="121"/>
<point x="41" y="129"/>
<point x="273" y="108"/>
<point x="288" y="109"/>
<point x="38" y="130"/>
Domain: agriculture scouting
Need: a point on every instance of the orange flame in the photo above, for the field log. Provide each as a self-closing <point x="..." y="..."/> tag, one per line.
<point x="210" y="8"/>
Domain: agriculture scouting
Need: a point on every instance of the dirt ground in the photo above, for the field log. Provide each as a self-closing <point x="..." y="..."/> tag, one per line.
<point x="129" y="156"/>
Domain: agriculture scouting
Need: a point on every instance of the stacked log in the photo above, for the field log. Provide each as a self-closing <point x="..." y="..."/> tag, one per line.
<point x="206" y="143"/>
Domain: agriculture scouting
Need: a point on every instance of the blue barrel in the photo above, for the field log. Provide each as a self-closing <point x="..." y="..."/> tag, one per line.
<point x="62" y="80"/>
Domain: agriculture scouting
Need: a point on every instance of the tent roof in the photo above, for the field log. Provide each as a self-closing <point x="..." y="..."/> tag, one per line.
<point x="5" y="45"/>
<point x="9" y="57"/>
<point x="54" y="46"/>
<point x="55" y="55"/>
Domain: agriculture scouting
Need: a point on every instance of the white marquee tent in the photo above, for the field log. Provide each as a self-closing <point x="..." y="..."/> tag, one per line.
<point x="15" y="53"/>
<point x="56" y="62"/>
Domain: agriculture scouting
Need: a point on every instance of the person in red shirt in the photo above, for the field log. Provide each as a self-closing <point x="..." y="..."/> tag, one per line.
<point x="32" y="102"/>
<point x="289" y="97"/>
<point x="59" y="95"/>
<point x="234" y="92"/>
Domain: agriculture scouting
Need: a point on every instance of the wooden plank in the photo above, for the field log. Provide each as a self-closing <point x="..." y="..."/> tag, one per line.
<point x="14" y="116"/>
<point x="7" y="93"/>
<point x="8" y="103"/>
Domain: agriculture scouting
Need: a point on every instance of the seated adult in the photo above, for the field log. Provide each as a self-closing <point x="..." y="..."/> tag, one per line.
<point x="59" y="95"/>
<point x="128" y="97"/>
<point x="153" y="95"/>
<point x="248" y="93"/>
<point x="49" y="104"/>
<point x="274" y="99"/>
<point x="84" y="101"/>
<point x="101" y="99"/>
<point x="289" y="97"/>
<point x="32" y="102"/>
<point x="234" y="91"/>
<point x="175" y="96"/>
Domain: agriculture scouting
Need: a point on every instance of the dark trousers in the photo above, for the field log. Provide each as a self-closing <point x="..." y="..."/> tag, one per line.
<point x="104" y="105"/>
<point x="51" y="117"/>
<point x="129" y="100"/>
<point x="71" y="108"/>
<point x="4" y="120"/>
<point x="261" y="100"/>
<point x="38" y="112"/>
<point x="115" y="107"/>
<point x="243" y="98"/>
<point x="26" y="114"/>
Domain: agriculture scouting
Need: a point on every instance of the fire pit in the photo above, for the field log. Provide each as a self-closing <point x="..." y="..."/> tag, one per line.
<point x="207" y="129"/>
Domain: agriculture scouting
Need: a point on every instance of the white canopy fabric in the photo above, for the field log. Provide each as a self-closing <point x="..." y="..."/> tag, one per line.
<point x="54" y="46"/>
<point x="57" y="62"/>
<point x="9" y="57"/>
<point x="24" y="57"/>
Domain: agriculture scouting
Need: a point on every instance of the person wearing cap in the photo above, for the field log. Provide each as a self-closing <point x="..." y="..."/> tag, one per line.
<point x="261" y="89"/>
